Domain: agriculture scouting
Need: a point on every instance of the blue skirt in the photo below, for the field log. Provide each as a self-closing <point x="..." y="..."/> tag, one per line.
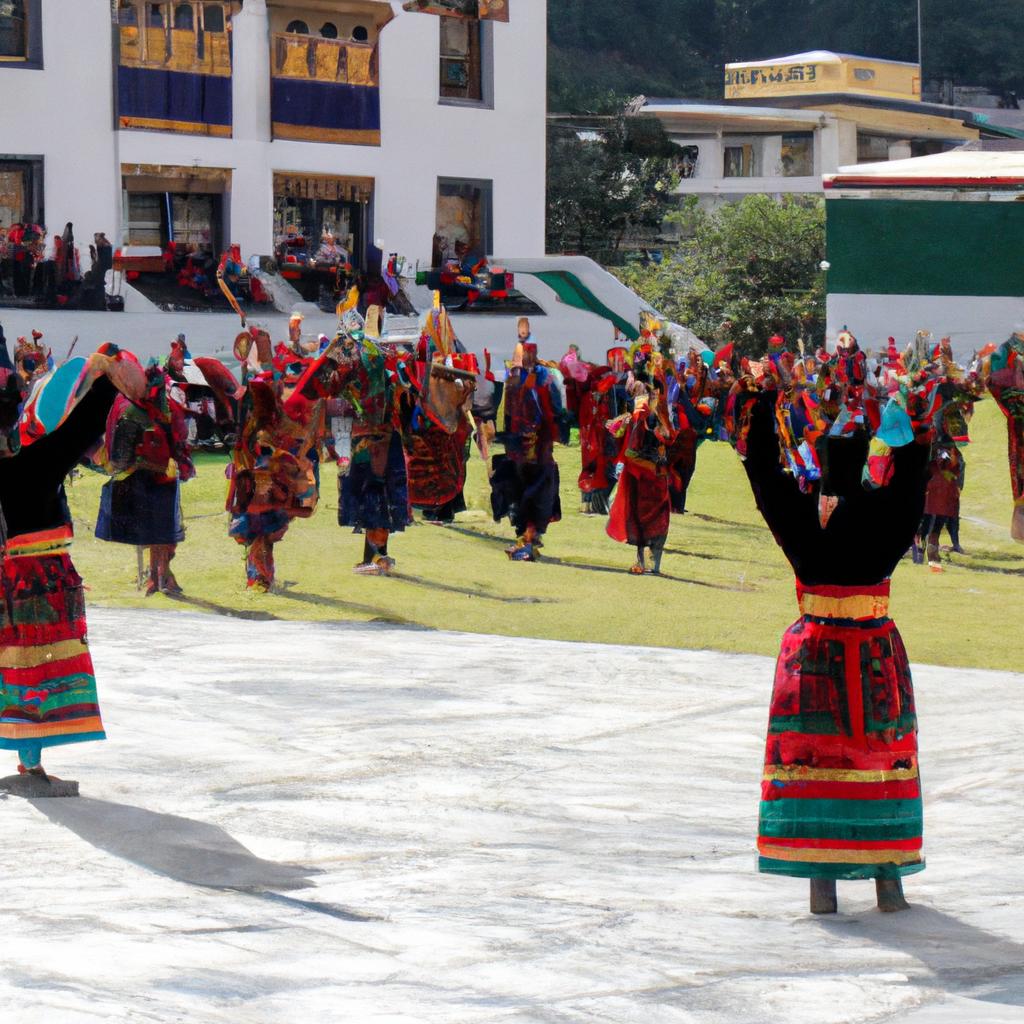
<point x="141" y="511"/>
<point x="374" y="494"/>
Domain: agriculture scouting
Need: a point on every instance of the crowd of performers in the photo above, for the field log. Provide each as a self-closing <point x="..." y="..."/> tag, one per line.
<point x="853" y="460"/>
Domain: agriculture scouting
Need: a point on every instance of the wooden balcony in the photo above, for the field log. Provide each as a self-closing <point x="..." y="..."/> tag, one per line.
<point x="334" y="61"/>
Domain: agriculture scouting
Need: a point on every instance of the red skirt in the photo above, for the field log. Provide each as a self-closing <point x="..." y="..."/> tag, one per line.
<point x="47" y="687"/>
<point x="841" y="794"/>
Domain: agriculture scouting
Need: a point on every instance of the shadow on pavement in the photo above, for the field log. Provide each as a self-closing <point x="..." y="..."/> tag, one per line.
<point x="180" y="848"/>
<point x="963" y="958"/>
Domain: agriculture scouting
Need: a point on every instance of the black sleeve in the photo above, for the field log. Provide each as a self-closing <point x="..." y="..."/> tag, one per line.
<point x="889" y="516"/>
<point x="790" y="514"/>
<point x="49" y="460"/>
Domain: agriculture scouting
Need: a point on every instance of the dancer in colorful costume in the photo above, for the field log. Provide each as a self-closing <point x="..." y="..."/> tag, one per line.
<point x="642" y="509"/>
<point x="841" y="794"/>
<point x="694" y="400"/>
<point x="47" y="688"/>
<point x="374" y="493"/>
<point x="438" y="436"/>
<point x="274" y="476"/>
<point x="524" y="485"/>
<point x="594" y="397"/>
<point x="941" y="503"/>
<point x="1005" y="373"/>
<point x="147" y="456"/>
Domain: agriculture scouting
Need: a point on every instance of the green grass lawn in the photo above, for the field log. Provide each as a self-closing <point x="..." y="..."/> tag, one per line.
<point x="726" y="585"/>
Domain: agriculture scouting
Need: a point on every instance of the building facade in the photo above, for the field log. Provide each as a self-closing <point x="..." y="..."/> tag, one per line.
<point x="254" y="121"/>
<point x="785" y="123"/>
<point x="931" y="243"/>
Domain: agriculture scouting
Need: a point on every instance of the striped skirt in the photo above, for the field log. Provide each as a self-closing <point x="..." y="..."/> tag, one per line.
<point x="841" y="795"/>
<point x="47" y="687"/>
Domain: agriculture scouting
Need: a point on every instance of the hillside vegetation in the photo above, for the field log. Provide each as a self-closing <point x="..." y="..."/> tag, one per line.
<point x="601" y="49"/>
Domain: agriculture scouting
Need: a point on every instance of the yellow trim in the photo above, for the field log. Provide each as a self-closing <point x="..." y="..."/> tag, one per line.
<point x="33" y="657"/>
<point x="47" y="547"/>
<point x="900" y="122"/>
<point x="830" y="73"/>
<point x="28" y="732"/>
<point x="829" y="856"/>
<point x="184" y="51"/>
<point x="860" y="606"/>
<point x="346" y="137"/>
<point x="801" y="773"/>
<point x="151" y="124"/>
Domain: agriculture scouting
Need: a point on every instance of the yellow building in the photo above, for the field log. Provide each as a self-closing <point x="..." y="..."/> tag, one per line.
<point x="787" y="121"/>
<point x="821" y="71"/>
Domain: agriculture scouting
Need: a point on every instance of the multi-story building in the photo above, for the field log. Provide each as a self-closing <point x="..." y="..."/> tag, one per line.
<point x="247" y="121"/>
<point x="786" y="122"/>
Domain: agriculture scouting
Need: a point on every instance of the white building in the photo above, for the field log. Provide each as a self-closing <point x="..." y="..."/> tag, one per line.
<point x="246" y="121"/>
<point x="786" y="122"/>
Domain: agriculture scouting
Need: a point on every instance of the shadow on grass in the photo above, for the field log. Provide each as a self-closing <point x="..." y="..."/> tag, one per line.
<point x="705" y="555"/>
<point x="419" y="581"/>
<point x="731" y="523"/>
<point x="998" y="570"/>
<point x="220" y="609"/>
<point x="993" y="556"/>
<point x="480" y="535"/>
<point x="323" y="601"/>
<point x="624" y="570"/>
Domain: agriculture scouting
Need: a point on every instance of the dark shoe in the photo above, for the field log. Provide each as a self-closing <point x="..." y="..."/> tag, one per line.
<point x="171" y="586"/>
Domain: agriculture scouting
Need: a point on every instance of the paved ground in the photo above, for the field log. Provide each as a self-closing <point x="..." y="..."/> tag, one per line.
<point x="368" y="825"/>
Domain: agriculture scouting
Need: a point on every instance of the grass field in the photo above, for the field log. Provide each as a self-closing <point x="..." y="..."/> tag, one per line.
<point x="726" y="584"/>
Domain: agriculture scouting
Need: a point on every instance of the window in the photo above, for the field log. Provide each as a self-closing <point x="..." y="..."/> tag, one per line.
<point x="798" y="155"/>
<point x="872" y="148"/>
<point x="21" y="192"/>
<point x="298" y="27"/>
<point x="464" y="217"/>
<point x="13" y="30"/>
<point x="183" y="17"/>
<point x="687" y="161"/>
<point x="213" y="18"/>
<point x="156" y="16"/>
<point x="328" y="30"/>
<point x="740" y="162"/>
<point x="462" y="59"/>
<point x="360" y="34"/>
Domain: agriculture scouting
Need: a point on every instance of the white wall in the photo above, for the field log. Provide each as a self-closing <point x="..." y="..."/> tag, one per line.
<point x="65" y="113"/>
<point x="970" y="321"/>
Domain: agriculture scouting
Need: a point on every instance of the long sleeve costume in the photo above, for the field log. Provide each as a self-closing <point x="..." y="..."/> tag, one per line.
<point x="525" y="484"/>
<point x="47" y="688"/>
<point x="1007" y="386"/>
<point x="642" y="508"/>
<point x="841" y="793"/>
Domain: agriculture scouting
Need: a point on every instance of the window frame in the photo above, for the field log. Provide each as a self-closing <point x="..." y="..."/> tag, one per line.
<point x="33" y="58"/>
<point x="486" y="187"/>
<point x="486" y="101"/>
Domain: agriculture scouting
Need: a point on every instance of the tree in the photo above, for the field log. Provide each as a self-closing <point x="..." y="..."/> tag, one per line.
<point x="607" y="183"/>
<point x="755" y="263"/>
<point x="677" y="47"/>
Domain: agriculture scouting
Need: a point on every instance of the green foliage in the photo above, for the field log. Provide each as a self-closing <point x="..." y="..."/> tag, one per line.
<point x="754" y="264"/>
<point x="604" y="188"/>
<point x="678" y="47"/>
